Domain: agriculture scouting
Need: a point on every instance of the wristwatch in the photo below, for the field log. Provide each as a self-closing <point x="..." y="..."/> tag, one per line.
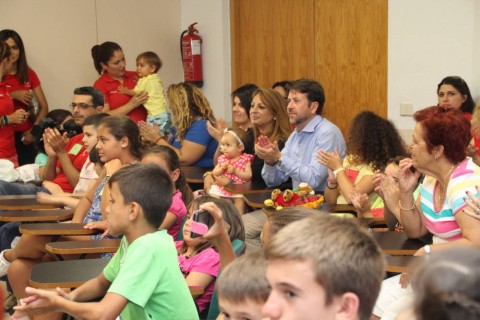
<point x="336" y="172"/>
<point x="276" y="162"/>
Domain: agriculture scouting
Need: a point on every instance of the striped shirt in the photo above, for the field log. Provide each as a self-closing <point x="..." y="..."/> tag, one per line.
<point x="441" y="222"/>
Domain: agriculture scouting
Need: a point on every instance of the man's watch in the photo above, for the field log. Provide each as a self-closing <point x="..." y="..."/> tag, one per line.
<point x="277" y="161"/>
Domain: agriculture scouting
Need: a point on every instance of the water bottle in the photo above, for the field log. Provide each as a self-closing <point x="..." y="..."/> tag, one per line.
<point x="33" y="108"/>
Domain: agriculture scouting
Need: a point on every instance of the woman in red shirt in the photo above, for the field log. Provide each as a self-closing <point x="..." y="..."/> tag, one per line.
<point x="109" y="61"/>
<point x="23" y="86"/>
<point x="7" y="141"/>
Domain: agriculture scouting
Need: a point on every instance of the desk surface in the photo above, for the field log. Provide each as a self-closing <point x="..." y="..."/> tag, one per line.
<point x="23" y="202"/>
<point x="36" y="215"/>
<point x="401" y="264"/>
<point x="83" y="247"/>
<point x="397" y="243"/>
<point x="48" y="275"/>
<point x="194" y="174"/>
<point x="248" y="188"/>
<point x="73" y="273"/>
<point x="54" y="229"/>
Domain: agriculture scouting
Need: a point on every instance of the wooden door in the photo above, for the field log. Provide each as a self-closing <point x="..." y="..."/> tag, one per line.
<point x="340" y="43"/>
<point x="272" y="40"/>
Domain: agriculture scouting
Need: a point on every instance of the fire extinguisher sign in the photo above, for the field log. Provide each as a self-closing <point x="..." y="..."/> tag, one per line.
<point x="196" y="48"/>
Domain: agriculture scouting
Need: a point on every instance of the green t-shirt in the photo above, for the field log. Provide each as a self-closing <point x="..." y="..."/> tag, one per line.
<point x="147" y="274"/>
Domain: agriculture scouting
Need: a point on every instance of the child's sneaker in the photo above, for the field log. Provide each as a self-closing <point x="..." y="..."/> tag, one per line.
<point x="4" y="264"/>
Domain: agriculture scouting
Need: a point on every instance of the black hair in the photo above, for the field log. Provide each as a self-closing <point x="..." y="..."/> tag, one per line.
<point x="460" y="84"/>
<point x="95" y="119"/>
<point x="245" y="94"/>
<point x="173" y="163"/>
<point x="123" y="126"/>
<point x="22" y="65"/>
<point x="312" y="89"/>
<point x="102" y="53"/>
<point x="149" y="186"/>
<point x="97" y="96"/>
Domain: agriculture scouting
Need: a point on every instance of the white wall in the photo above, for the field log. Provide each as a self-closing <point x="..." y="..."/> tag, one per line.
<point x="427" y="41"/>
<point x="59" y="34"/>
<point x="213" y="17"/>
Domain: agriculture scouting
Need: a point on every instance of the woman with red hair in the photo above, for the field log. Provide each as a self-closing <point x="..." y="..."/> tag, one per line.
<point x="438" y="150"/>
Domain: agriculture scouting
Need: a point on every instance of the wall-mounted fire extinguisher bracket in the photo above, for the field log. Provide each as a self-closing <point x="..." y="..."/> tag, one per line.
<point x="191" y="50"/>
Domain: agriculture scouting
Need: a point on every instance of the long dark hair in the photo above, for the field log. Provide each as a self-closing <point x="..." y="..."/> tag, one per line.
<point x="22" y="65"/>
<point x="373" y="140"/>
<point x="173" y="163"/>
<point x="123" y="126"/>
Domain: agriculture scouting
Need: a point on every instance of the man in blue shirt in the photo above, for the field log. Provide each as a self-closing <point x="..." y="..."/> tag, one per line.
<point x="298" y="158"/>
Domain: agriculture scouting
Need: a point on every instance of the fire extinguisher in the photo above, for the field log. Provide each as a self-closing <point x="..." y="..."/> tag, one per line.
<point x="191" y="49"/>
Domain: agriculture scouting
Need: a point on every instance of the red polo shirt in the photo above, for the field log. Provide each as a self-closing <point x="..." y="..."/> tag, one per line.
<point x="78" y="155"/>
<point x="7" y="141"/>
<point x="13" y="84"/>
<point x="108" y="86"/>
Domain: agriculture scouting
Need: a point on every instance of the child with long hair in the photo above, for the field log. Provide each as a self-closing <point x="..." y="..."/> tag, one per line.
<point x="371" y="142"/>
<point x="198" y="259"/>
<point x="234" y="164"/>
<point x="167" y="159"/>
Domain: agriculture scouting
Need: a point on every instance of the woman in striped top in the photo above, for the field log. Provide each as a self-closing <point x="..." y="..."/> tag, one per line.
<point x="438" y="150"/>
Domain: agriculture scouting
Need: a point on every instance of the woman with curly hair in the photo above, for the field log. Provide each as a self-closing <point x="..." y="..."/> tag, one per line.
<point x="189" y="138"/>
<point x="371" y="142"/>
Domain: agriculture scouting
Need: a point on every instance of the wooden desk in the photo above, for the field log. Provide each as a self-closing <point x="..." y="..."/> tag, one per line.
<point x="56" y="229"/>
<point x="401" y="264"/>
<point x="247" y="188"/>
<point x="397" y="243"/>
<point x="73" y="273"/>
<point x="194" y="174"/>
<point x="23" y="202"/>
<point x="84" y="247"/>
<point x="36" y="215"/>
<point x="255" y="200"/>
<point x="65" y="274"/>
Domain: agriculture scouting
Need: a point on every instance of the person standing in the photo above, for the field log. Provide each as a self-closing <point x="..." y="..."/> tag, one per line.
<point x="24" y="87"/>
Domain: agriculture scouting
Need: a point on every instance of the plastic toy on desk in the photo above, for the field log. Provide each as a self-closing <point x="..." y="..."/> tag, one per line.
<point x="304" y="196"/>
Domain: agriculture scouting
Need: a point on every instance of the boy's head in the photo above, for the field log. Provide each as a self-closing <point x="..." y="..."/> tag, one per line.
<point x="148" y="63"/>
<point x="243" y="287"/>
<point x="143" y="188"/>
<point x="323" y="267"/>
<point x="90" y="126"/>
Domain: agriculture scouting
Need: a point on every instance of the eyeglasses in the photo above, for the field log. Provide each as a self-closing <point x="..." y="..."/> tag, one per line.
<point x="82" y="106"/>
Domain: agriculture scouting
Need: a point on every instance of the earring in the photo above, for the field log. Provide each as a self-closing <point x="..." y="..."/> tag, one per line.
<point x="275" y="118"/>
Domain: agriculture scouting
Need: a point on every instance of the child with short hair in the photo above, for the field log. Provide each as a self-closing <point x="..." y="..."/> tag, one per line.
<point x="148" y="64"/>
<point x="323" y="267"/>
<point x="233" y="164"/>
<point x="142" y="281"/>
<point x="242" y="297"/>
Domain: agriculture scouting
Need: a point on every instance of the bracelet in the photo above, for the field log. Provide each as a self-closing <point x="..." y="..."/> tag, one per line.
<point x="332" y="186"/>
<point x="427" y="249"/>
<point x="208" y="173"/>
<point x="406" y="209"/>
<point x="336" y="172"/>
<point x="160" y="138"/>
<point x="6" y="120"/>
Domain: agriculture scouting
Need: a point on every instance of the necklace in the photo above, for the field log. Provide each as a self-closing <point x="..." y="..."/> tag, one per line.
<point x="441" y="189"/>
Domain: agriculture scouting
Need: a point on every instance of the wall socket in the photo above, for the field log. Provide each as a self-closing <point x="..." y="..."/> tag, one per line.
<point x="406" y="108"/>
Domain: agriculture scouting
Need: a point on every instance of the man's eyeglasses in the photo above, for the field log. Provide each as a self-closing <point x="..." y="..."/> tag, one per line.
<point x="82" y="106"/>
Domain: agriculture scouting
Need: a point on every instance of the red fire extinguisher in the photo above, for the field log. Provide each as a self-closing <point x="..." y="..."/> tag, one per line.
<point x="191" y="49"/>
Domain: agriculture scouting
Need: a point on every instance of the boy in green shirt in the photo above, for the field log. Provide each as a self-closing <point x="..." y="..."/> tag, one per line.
<point x="143" y="280"/>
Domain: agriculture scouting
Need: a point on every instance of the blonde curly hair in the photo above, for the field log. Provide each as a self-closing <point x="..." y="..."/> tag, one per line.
<point x="188" y="104"/>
